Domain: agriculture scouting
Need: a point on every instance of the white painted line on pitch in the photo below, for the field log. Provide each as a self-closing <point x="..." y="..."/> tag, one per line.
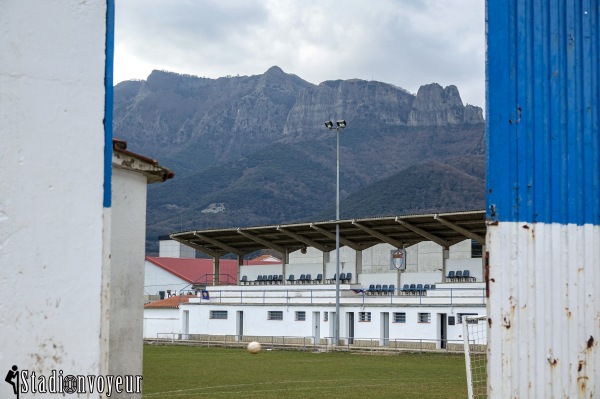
<point x="178" y="392"/>
<point x="320" y="388"/>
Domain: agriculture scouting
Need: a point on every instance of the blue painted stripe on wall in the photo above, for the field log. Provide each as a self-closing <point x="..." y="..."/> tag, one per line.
<point x="543" y="110"/>
<point x="108" y="101"/>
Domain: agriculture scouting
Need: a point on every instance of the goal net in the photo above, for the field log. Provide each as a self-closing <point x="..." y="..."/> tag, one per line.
<point x="475" y="342"/>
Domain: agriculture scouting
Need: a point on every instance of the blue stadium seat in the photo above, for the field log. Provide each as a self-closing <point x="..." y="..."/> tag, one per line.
<point x="308" y="279"/>
<point x="342" y="277"/>
<point x="419" y="289"/>
<point x="406" y="289"/>
<point x="270" y="279"/>
<point x="244" y="280"/>
<point x="319" y="279"/>
<point x="371" y="290"/>
<point x="384" y="289"/>
<point x="392" y="289"/>
<point x="290" y="279"/>
<point x="378" y="289"/>
<point x="258" y="280"/>
<point x="425" y="287"/>
<point x="348" y="278"/>
<point x="458" y="275"/>
<point x="450" y="275"/>
<point x="467" y="276"/>
<point x="302" y="279"/>
<point x="413" y="289"/>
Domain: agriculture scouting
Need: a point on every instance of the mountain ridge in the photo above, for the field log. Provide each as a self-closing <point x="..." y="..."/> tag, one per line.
<point x="253" y="149"/>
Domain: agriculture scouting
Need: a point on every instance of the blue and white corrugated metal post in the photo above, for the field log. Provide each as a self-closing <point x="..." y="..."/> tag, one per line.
<point x="543" y="198"/>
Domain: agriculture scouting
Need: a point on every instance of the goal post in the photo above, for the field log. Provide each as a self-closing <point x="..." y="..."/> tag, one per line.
<point x="475" y="346"/>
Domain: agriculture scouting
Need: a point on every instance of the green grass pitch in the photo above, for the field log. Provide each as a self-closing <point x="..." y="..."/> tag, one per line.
<point x="219" y="373"/>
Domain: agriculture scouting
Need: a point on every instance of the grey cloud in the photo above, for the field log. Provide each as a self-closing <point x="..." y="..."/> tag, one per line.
<point x="407" y="43"/>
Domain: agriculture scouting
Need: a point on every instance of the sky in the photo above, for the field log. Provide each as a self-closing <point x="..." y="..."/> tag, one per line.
<point x="407" y="43"/>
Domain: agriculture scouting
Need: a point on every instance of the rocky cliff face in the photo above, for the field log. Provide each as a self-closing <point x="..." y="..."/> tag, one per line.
<point x="194" y="122"/>
<point x="437" y="106"/>
<point x="191" y="123"/>
<point x="358" y="101"/>
<point x="369" y="103"/>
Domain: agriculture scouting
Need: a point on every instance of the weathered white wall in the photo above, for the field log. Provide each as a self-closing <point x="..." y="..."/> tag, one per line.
<point x="161" y="321"/>
<point x="128" y="235"/>
<point x="544" y="281"/>
<point x="51" y="186"/>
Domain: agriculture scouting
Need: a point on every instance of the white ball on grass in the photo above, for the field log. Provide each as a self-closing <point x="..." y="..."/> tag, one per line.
<point x="254" y="347"/>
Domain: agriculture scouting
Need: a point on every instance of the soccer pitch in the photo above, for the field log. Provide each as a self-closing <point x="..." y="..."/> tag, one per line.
<point x="219" y="373"/>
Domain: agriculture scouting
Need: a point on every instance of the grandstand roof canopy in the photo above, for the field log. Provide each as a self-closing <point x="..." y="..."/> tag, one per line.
<point x="444" y="229"/>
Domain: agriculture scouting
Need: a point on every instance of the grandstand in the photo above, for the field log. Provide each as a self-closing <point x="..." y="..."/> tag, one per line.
<point x="419" y="305"/>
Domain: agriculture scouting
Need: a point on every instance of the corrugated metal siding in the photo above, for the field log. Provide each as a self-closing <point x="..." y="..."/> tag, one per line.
<point x="542" y="104"/>
<point x="544" y="311"/>
<point x="543" y="198"/>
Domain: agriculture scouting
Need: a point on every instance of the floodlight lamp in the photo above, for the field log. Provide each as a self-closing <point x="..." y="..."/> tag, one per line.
<point x="329" y="125"/>
<point x="341" y="123"/>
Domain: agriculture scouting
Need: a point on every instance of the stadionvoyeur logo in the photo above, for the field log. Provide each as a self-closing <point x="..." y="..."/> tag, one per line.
<point x="25" y="381"/>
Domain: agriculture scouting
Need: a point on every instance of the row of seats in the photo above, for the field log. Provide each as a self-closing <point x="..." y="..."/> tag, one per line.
<point x="456" y="276"/>
<point x="304" y="279"/>
<point x="263" y="280"/>
<point x="344" y="278"/>
<point x="412" y="289"/>
<point x="378" y="289"/>
<point x="416" y="289"/>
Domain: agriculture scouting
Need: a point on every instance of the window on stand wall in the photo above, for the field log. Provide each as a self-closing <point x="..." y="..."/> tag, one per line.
<point x="424" y="317"/>
<point x="459" y="318"/>
<point x="275" y="315"/>
<point x="218" y="314"/>
<point x="300" y="316"/>
<point x="476" y="249"/>
<point x="399" y="317"/>
<point x="364" y="316"/>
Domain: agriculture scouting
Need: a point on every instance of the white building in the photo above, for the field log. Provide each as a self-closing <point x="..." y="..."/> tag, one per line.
<point x="299" y="312"/>
<point x="176" y="270"/>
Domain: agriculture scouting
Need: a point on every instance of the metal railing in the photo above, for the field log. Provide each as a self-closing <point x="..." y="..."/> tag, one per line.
<point x="439" y="296"/>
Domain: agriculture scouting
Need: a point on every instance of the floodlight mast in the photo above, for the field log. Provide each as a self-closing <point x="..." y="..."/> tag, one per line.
<point x="341" y="124"/>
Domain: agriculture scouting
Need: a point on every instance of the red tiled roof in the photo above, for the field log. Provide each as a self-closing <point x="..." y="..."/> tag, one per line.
<point x="201" y="270"/>
<point x="191" y="270"/>
<point x="169" y="303"/>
